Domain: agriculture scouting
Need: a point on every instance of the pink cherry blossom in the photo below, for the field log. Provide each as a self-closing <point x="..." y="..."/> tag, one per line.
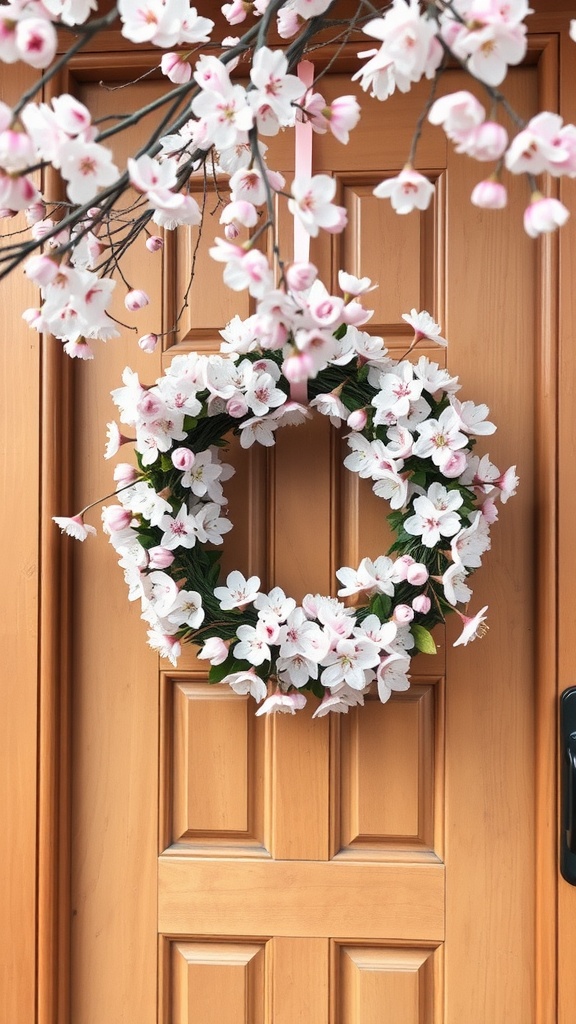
<point x="86" y="166"/>
<point x="435" y="515"/>
<point x="473" y="627"/>
<point x="457" y="113"/>
<point x="392" y="675"/>
<point x="238" y="591"/>
<point x="274" y="90"/>
<point x="285" y="703"/>
<point x="409" y="191"/>
<point x="424" y="326"/>
<point x="36" y="41"/>
<point x="74" y="526"/>
<point x="488" y="141"/>
<point x="340" y="701"/>
<point x="312" y="204"/>
<point x="167" y="646"/>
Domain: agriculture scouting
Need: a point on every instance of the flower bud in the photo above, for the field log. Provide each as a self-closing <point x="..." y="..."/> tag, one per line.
<point x="116" y="518"/>
<point x="154" y="243"/>
<point x="401" y="567"/>
<point x="183" y="459"/>
<point x="236" y="407"/>
<point x="357" y="420"/>
<point x="422" y="604"/>
<point x="136" y="299"/>
<point x="41" y="269"/>
<point x="176" y="69"/>
<point x="214" y="650"/>
<point x="231" y="232"/>
<point x="298" y="367"/>
<point x="417" y="574"/>
<point x="124" y="473"/>
<point x="159" y="557"/>
<point x="148" y="342"/>
<point x="35" y="212"/>
<point x="402" y="614"/>
<point x="544" y="214"/>
<point x="301" y="276"/>
<point x="489" y="195"/>
<point x="455" y="465"/>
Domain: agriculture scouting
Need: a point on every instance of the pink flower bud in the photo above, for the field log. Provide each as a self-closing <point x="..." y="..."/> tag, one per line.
<point x="116" y="518"/>
<point x="543" y="215"/>
<point x="214" y="650"/>
<point x="402" y="614"/>
<point x="240" y="212"/>
<point x="357" y="420"/>
<point x="154" y="243"/>
<point x="489" y="511"/>
<point x="455" y="465"/>
<point x="40" y="228"/>
<point x="298" y="367"/>
<point x="41" y="269"/>
<point x="159" y="558"/>
<point x="34" y="318"/>
<point x="148" y="342"/>
<point x="417" y="574"/>
<point x="355" y="314"/>
<point x="301" y="276"/>
<point x="288" y="23"/>
<point x="421" y="604"/>
<point x="176" y="69"/>
<point x="489" y="195"/>
<point x="183" y="459"/>
<point x="16" y="149"/>
<point x="401" y="567"/>
<point x="124" y="473"/>
<point x="231" y="232"/>
<point x="235" y="12"/>
<point x="35" y="213"/>
<point x="236" y="407"/>
<point x="136" y="299"/>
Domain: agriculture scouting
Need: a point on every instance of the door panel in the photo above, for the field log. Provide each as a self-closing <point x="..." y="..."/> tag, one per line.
<point x="342" y="871"/>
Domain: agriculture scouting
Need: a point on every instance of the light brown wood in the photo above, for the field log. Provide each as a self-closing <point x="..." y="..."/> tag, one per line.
<point x="498" y="734"/>
<point x="380" y="879"/>
<point x="19" y="476"/>
<point x="311" y="898"/>
<point x="567" y="549"/>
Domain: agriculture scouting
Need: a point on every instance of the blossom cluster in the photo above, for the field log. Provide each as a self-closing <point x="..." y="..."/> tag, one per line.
<point x="409" y="434"/>
<point x="225" y="120"/>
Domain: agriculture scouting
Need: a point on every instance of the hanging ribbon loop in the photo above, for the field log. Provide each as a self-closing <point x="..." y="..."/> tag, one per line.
<point x="302" y="169"/>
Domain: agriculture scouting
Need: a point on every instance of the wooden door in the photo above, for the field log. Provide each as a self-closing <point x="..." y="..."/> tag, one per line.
<point x="381" y="866"/>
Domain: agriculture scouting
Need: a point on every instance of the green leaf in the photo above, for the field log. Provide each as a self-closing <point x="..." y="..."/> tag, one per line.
<point x="380" y="606"/>
<point x="217" y="672"/>
<point x="423" y="639"/>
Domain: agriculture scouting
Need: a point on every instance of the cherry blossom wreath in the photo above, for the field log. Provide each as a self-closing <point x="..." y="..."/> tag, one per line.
<point x="409" y="434"/>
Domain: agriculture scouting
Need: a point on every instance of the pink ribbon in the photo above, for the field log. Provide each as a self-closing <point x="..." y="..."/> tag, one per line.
<point x="302" y="168"/>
